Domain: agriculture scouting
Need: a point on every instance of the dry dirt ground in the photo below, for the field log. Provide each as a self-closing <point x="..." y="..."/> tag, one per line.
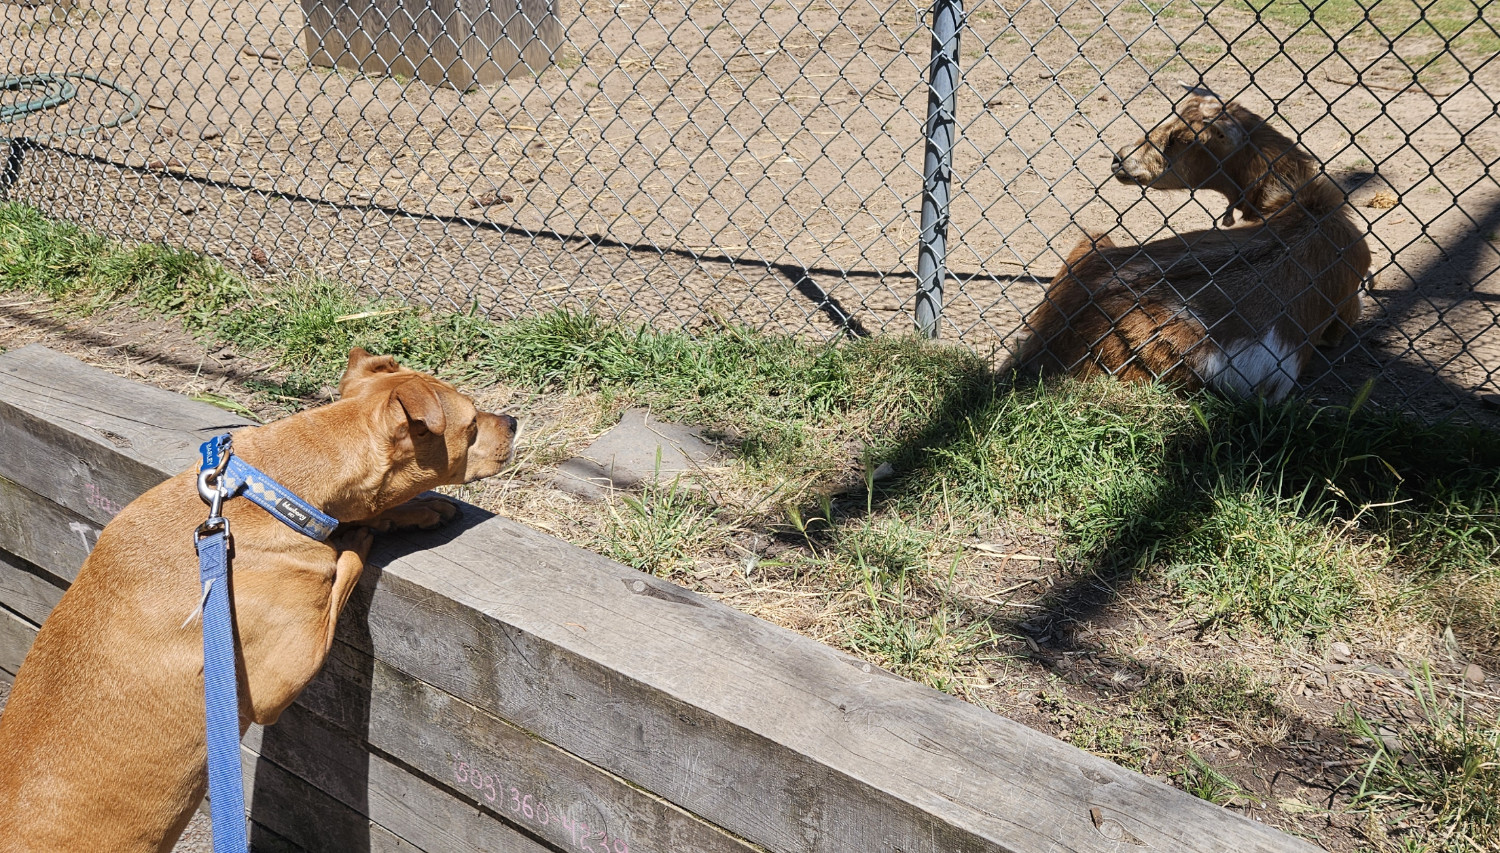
<point x="1284" y="747"/>
<point x="702" y="161"/>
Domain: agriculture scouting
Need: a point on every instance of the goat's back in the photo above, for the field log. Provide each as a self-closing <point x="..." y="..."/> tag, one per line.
<point x="1239" y="309"/>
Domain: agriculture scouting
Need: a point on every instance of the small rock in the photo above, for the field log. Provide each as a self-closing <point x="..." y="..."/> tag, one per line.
<point x="258" y="255"/>
<point x="1474" y="674"/>
<point x="1341" y="652"/>
<point x="1389" y="739"/>
<point x="210" y="132"/>
<point x="1346" y="690"/>
<point x="636" y="451"/>
<point x="1383" y="200"/>
<point x="270" y="52"/>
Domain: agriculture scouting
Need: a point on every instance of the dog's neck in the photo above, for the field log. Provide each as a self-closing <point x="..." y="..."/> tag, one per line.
<point x="326" y="471"/>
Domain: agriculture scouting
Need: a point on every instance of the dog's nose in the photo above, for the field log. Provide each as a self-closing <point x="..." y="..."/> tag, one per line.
<point x="510" y="423"/>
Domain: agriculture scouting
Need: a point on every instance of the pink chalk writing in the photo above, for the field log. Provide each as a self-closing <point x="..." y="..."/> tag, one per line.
<point x="97" y="500"/>
<point x="490" y="788"/>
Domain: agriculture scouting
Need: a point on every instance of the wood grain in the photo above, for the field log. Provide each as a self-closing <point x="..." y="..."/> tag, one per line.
<point x="16" y="635"/>
<point x="47" y="535"/>
<point x="458" y="43"/>
<point x="90" y="441"/>
<point x="491" y="763"/>
<point x="26" y="589"/>
<point x="299" y="785"/>
<point x="700" y="704"/>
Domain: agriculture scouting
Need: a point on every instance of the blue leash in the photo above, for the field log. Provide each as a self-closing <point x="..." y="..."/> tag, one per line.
<point x="222" y="477"/>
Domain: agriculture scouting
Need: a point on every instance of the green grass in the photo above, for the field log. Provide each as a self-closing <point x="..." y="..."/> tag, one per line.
<point x="1123" y="739"/>
<point x="1271" y="516"/>
<point x="1263" y="516"/>
<point x="1441" y="777"/>
<point x="661" y="530"/>
<point x="1466" y="26"/>
<point x="1230" y="696"/>
<point x="888" y="562"/>
<point x="1173" y="709"/>
<point x="1200" y="779"/>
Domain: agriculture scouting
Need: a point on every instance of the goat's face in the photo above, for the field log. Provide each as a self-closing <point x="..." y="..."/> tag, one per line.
<point x="1187" y="151"/>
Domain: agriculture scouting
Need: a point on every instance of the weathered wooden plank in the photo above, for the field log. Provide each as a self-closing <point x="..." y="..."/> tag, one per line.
<point x="68" y="433"/>
<point x="287" y="815"/>
<point x="39" y="531"/>
<point x="16" y="635"/>
<point x="359" y="786"/>
<point x="26" y="589"/>
<point x="782" y="740"/>
<point x="509" y="38"/>
<point x="494" y="764"/>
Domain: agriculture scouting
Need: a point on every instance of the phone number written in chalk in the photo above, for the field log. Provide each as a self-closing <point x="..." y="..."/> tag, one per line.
<point x="491" y="789"/>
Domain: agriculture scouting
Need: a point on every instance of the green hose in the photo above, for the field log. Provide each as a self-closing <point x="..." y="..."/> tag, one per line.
<point x="52" y="90"/>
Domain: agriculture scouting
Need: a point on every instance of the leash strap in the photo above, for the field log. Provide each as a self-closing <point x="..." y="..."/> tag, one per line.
<point x="222" y="476"/>
<point x="226" y="791"/>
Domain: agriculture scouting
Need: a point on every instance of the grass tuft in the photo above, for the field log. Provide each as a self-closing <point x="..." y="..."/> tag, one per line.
<point x="659" y="531"/>
<point x="1440" y="778"/>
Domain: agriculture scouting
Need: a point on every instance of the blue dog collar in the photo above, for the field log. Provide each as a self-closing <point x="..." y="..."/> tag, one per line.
<point x="229" y="475"/>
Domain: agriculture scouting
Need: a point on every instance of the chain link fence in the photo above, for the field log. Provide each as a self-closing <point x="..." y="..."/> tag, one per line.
<point x="761" y="162"/>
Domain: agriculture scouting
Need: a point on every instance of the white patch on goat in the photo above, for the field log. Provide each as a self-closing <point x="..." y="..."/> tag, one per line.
<point x="1246" y="367"/>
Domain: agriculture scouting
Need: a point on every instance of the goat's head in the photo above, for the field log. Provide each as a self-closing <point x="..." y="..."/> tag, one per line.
<point x="1189" y="149"/>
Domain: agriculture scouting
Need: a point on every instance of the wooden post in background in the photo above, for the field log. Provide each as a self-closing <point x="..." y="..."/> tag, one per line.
<point x="458" y="43"/>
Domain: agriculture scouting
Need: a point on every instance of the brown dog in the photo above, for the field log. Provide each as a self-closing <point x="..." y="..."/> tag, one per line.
<point x="102" y="742"/>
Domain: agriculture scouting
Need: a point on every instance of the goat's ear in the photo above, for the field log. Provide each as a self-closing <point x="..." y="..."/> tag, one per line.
<point x="1200" y="90"/>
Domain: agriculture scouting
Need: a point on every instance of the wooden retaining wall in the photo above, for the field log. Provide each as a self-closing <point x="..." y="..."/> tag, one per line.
<point x="495" y="689"/>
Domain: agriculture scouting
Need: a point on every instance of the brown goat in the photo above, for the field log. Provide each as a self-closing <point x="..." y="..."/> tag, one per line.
<point x="1237" y="309"/>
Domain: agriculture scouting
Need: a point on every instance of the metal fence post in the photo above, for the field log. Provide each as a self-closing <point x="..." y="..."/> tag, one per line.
<point x="937" y="166"/>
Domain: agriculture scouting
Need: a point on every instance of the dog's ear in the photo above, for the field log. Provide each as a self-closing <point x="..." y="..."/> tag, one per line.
<point x="363" y="365"/>
<point x="422" y="407"/>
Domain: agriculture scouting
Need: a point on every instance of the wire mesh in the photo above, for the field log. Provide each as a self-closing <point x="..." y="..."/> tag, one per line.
<point x="760" y="162"/>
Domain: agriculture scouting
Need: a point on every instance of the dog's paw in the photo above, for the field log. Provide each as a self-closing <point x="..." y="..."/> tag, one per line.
<point x="423" y="513"/>
<point x="354" y="538"/>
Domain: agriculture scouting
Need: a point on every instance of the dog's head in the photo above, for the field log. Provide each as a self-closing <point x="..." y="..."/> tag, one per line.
<point x="431" y="434"/>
